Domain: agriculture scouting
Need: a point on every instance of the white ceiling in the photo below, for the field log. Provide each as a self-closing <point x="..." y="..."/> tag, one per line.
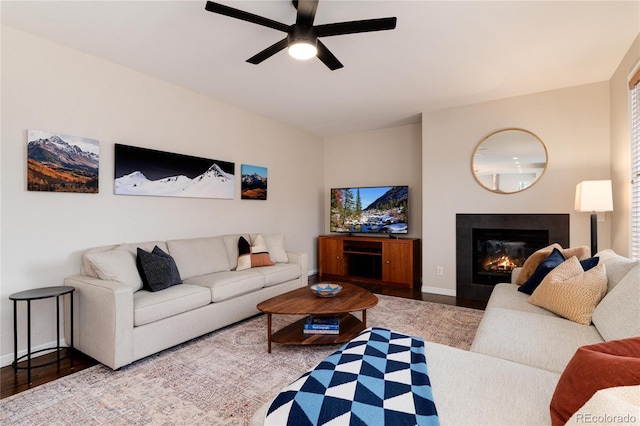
<point x="442" y="53"/>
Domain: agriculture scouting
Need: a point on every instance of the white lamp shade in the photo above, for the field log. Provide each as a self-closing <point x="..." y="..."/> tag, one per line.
<point x="594" y="196"/>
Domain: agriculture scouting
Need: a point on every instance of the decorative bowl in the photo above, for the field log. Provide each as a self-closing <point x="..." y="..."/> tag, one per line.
<point x="326" y="289"/>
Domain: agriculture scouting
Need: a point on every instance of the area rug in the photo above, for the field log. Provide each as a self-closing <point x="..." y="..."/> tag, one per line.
<point x="221" y="378"/>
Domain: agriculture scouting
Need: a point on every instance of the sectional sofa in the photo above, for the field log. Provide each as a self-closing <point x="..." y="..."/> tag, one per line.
<point x="521" y="351"/>
<point x="117" y="320"/>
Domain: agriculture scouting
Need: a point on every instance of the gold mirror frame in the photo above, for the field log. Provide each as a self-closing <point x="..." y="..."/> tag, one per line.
<point x="509" y="160"/>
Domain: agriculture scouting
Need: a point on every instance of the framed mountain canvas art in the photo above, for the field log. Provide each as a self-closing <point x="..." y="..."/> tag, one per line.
<point x="61" y="163"/>
<point x="254" y="183"/>
<point x="142" y="171"/>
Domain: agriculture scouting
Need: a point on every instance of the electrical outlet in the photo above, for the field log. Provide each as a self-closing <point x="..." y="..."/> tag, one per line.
<point x="439" y="270"/>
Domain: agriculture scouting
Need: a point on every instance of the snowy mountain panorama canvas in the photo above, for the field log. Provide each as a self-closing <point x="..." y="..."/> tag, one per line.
<point x="61" y="163"/>
<point x="142" y="171"/>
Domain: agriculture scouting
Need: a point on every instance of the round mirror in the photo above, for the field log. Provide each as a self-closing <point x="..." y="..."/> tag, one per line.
<point x="509" y="160"/>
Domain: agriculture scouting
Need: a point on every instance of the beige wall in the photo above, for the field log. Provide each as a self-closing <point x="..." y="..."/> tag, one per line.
<point x="383" y="157"/>
<point x="574" y="125"/>
<point x="621" y="149"/>
<point x="50" y="87"/>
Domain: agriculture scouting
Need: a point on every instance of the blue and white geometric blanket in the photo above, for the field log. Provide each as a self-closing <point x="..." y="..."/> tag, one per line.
<point x="378" y="378"/>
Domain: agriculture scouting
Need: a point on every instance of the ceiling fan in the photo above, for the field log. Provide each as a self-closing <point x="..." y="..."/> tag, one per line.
<point x="302" y="37"/>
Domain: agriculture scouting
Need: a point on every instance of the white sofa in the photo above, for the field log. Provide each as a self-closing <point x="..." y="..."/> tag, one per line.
<point x="519" y="352"/>
<point x="117" y="322"/>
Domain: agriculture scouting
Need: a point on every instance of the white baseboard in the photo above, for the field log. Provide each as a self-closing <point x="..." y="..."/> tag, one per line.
<point x="438" y="290"/>
<point x="7" y="359"/>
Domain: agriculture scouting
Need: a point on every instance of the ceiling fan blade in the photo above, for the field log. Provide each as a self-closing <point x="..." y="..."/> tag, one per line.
<point x="306" y="11"/>
<point x="269" y="51"/>
<point x="352" y="27"/>
<point x="245" y="16"/>
<point x="327" y="57"/>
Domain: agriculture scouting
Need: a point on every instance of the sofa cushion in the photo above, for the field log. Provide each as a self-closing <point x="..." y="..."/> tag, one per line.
<point x="618" y="403"/>
<point x="475" y="389"/>
<point x="594" y="367"/>
<point x="199" y="256"/>
<point x="149" y="306"/>
<point x="279" y="273"/>
<point x="537" y="340"/>
<point x="228" y="284"/>
<point x="157" y="269"/>
<point x="252" y="256"/>
<point x="617" y="266"/>
<point x="532" y="262"/>
<point x="617" y="316"/>
<point x="543" y="269"/>
<point x="115" y="265"/>
<point x="507" y="296"/>
<point x="570" y="292"/>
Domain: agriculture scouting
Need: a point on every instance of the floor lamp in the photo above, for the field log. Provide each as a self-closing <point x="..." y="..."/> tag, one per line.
<point x="594" y="196"/>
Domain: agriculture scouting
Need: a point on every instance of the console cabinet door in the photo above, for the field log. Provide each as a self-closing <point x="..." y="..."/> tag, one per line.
<point x="397" y="262"/>
<point x="331" y="257"/>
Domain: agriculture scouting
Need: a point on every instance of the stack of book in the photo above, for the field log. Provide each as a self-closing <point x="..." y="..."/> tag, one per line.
<point x="321" y="325"/>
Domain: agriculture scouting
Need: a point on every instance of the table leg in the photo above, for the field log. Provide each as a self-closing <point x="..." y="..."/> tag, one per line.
<point x="58" y="330"/>
<point x="71" y="348"/>
<point x="15" y="337"/>
<point x="29" y="342"/>
<point x="364" y="317"/>
<point x="268" y="333"/>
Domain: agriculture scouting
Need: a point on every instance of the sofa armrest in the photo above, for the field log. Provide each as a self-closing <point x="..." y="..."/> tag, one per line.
<point x="514" y="274"/>
<point x="302" y="260"/>
<point x="103" y="319"/>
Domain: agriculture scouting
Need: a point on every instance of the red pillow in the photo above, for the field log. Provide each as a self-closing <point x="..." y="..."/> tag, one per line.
<point x="595" y="367"/>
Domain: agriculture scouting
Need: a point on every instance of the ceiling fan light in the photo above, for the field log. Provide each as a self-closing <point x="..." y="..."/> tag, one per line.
<point x="302" y="50"/>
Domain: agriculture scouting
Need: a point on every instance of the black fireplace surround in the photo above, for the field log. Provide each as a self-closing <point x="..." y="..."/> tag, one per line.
<point x="483" y="239"/>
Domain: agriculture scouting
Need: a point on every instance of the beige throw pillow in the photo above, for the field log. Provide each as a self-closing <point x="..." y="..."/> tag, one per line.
<point x="570" y="292"/>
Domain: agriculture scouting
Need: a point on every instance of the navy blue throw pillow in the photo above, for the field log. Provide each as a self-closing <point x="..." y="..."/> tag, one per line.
<point x="157" y="269"/>
<point x="543" y="269"/>
<point x="589" y="263"/>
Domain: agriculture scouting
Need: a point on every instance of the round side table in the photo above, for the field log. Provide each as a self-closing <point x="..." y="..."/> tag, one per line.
<point x="28" y="296"/>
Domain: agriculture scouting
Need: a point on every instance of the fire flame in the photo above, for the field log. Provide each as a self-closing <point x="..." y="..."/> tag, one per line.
<point x="499" y="264"/>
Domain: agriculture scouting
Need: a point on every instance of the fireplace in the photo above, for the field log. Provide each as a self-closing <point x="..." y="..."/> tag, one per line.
<point x="497" y="251"/>
<point x="489" y="246"/>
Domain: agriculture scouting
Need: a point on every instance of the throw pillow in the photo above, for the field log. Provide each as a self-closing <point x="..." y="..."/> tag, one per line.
<point x="252" y="256"/>
<point x="543" y="269"/>
<point x="115" y="265"/>
<point x="570" y="292"/>
<point x="589" y="263"/>
<point x="157" y="269"/>
<point x="275" y="244"/>
<point x="595" y="367"/>
<point x="531" y="263"/>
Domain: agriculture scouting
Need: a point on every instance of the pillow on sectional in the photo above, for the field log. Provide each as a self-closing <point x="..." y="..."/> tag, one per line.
<point x="617" y="266"/>
<point x="531" y="263"/>
<point x="252" y="256"/>
<point x="543" y="269"/>
<point x="115" y="265"/>
<point x="570" y="292"/>
<point x="157" y="269"/>
<point x="275" y="244"/>
<point x="594" y="367"/>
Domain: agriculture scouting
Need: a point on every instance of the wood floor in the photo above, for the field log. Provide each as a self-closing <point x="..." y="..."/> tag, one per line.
<point x="11" y="384"/>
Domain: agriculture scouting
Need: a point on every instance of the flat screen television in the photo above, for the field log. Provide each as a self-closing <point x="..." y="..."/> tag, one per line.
<point x="372" y="209"/>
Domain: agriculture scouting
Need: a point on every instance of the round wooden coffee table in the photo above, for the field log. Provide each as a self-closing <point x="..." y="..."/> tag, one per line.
<point x="303" y="301"/>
